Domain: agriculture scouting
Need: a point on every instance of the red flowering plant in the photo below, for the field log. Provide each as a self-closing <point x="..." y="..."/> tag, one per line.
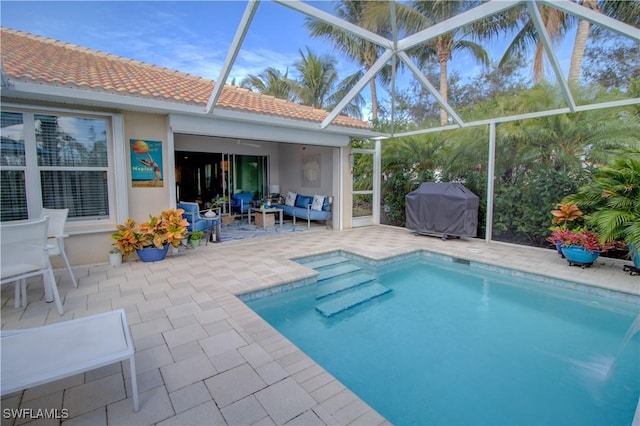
<point x="558" y="234"/>
<point x="581" y="237"/>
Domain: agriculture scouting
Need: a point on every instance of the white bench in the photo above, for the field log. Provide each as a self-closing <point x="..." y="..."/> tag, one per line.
<point x="34" y="356"/>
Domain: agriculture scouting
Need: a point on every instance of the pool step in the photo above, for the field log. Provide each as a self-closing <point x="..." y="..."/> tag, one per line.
<point x="352" y="298"/>
<point x="343" y="282"/>
<point x="326" y="262"/>
<point x="337" y="270"/>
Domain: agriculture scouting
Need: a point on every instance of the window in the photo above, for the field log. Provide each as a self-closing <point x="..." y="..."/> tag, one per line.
<point x="13" y="196"/>
<point x="60" y="160"/>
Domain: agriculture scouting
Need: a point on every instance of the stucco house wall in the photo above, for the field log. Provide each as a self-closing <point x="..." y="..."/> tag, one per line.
<point x="145" y="201"/>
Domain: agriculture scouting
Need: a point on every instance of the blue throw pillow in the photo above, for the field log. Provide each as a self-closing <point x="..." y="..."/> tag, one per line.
<point x="303" y="201"/>
<point x="326" y="206"/>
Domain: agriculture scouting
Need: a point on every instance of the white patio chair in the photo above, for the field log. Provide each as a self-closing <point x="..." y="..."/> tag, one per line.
<point x="34" y="356"/>
<point x="24" y="255"/>
<point x="57" y="220"/>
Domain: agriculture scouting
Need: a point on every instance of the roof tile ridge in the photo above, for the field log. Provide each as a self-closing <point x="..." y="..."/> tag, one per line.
<point x="268" y="97"/>
<point x="290" y="103"/>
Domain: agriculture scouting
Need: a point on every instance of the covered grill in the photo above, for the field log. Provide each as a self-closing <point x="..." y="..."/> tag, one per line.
<point x="443" y="210"/>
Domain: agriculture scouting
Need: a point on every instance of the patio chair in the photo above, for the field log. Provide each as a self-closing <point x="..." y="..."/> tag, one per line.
<point x="57" y="221"/>
<point x="241" y="202"/>
<point x="34" y="356"/>
<point x="24" y="255"/>
<point x="197" y="222"/>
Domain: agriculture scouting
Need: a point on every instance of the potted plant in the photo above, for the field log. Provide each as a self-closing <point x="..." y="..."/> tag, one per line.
<point x="580" y="246"/>
<point x="565" y="213"/>
<point x="614" y="198"/>
<point x="195" y="238"/>
<point x="151" y="239"/>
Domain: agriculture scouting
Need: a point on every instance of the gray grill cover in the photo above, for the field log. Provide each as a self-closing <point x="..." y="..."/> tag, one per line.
<point x="442" y="209"/>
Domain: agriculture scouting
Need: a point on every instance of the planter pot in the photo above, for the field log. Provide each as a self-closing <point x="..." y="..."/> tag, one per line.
<point x="195" y="243"/>
<point x="579" y="256"/>
<point x="559" y="248"/>
<point x="152" y="254"/>
<point x="635" y="255"/>
<point x="115" y="259"/>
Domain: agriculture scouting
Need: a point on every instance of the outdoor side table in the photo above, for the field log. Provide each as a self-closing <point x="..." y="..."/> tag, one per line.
<point x="264" y="214"/>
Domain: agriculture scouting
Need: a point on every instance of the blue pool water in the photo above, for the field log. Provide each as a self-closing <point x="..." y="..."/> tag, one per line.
<point x="455" y="345"/>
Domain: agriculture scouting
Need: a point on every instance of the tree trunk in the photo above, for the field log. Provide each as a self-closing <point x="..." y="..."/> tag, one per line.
<point x="444" y="88"/>
<point x="580" y="43"/>
<point x="374" y="100"/>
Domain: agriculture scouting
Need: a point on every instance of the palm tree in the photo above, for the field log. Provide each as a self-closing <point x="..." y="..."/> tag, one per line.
<point x="614" y="195"/>
<point x="317" y="76"/>
<point x="363" y="52"/>
<point x="556" y="24"/>
<point x="625" y="11"/>
<point x="354" y="108"/>
<point x="580" y="43"/>
<point x="272" y="82"/>
<point x="318" y="84"/>
<point x="422" y="14"/>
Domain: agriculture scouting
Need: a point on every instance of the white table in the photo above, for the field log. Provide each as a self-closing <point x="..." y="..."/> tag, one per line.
<point x="264" y="214"/>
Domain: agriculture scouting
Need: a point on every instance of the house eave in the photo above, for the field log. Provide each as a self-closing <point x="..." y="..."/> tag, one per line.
<point x="88" y="98"/>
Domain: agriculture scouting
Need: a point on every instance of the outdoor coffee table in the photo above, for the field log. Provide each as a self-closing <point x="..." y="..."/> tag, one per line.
<point x="264" y="214"/>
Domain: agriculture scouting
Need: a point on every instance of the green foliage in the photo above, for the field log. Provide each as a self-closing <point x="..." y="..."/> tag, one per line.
<point x="394" y="188"/>
<point x="196" y="235"/>
<point x="521" y="207"/>
<point x="613" y="199"/>
<point x="538" y="161"/>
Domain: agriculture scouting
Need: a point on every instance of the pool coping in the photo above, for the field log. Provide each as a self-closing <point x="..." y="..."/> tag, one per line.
<point x="424" y="253"/>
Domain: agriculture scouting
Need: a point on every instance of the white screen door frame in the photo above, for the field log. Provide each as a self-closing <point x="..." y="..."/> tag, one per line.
<point x="365" y="186"/>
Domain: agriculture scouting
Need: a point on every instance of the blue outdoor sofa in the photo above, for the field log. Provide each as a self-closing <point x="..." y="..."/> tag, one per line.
<point x="303" y="208"/>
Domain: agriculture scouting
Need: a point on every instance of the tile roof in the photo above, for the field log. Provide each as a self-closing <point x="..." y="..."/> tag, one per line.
<point x="35" y="59"/>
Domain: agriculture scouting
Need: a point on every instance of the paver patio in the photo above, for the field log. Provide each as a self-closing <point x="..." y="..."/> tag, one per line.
<point x="203" y="357"/>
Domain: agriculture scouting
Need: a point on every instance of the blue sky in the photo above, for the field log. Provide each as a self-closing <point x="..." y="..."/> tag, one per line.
<point x="191" y="36"/>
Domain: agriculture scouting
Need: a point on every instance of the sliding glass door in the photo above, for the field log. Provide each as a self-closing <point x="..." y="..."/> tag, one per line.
<point x="204" y="177"/>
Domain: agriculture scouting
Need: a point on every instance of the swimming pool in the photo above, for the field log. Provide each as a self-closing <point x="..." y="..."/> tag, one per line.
<point x="452" y="344"/>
